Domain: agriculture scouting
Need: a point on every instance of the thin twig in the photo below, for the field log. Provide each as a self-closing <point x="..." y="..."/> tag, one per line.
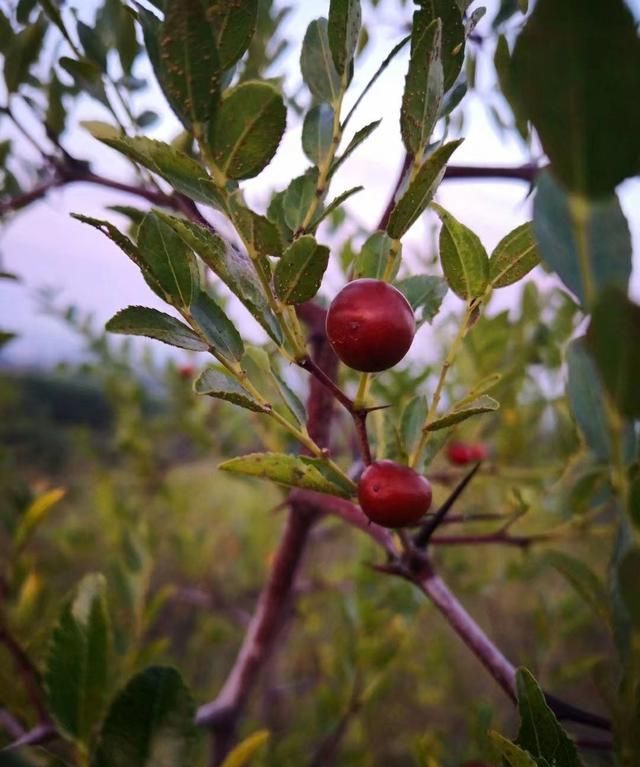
<point x="453" y="172"/>
<point x="10" y="724"/>
<point x="41" y="733"/>
<point x="359" y="415"/>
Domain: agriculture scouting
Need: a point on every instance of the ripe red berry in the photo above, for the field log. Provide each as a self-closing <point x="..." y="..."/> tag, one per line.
<point x="370" y="325"/>
<point x="393" y="495"/>
<point x="462" y="453"/>
<point x="186" y="371"/>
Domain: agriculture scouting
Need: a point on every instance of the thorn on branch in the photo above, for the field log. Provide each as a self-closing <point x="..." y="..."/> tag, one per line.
<point x="423" y="536"/>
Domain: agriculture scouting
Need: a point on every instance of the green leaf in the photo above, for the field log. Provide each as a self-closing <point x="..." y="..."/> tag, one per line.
<point x="168" y="259"/>
<point x="420" y="191"/>
<point x="601" y="236"/>
<point x="261" y="234"/>
<point x="373" y="257"/>
<point x="215" y="383"/>
<point x="423" y="88"/>
<point x="333" y="205"/>
<point x="5" y="337"/>
<point x="358" y="137"/>
<point x="513" y="754"/>
<point x="514" y="257"/>
<point x="299" y="272"/>
<point x="233" y="25"/>
<point x="247" y="129"/>
<point x="464" y="260"/>
<point x="540" y="732"/>
<point x="86" y="77"/>
<point x="216" y="327"/>
<point x="140" y="321"/>
<point x="317" y="133"/>
<point x="612" y="339"/>
<point x="37" y="511"/>
<point x="92" y="44"/>
<point x="584" y="581"/>
<point x="6" y="32"/>
<point x="56" y="115"/>
<point x="150" y="723"/>
<point x="425" y="294"/>
<point x="147" y="118"/>
<point x="152" y="32"/>
<point x="413" y="417"/>
<point x="586" y="399"/>
<point x="574" y="62"/>
<point x="453" y="35"/>
<point x="484" y="404"/>
<point x="298" y="198"/>
<point x="290" y="398"/>
<point x="191" y="69"/>
<point x="275" y="214"/>
<point x="288" y="470"/>
<point x="247" y="749"/>
<point x="128" y="247"/>
<point x="22" y="53"/>
<point x="52" y="12"/>
<point x="184" y="173"/>
<point x="316" y="62"/>
<point x="232" y="267"/>
<point x="77" y="671"/>
<point x="116" y="26"/>
<point x="345" y="17"/>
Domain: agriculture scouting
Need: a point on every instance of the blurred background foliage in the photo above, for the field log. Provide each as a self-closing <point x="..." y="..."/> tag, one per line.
<point x="108" y="465"/>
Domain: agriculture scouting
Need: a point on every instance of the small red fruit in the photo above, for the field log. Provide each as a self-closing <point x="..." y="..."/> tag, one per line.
<point x="393" y="495"/>
<point x="370" y="325"/>
<point x="462" y="453"/>
<point x="186" y="371"/>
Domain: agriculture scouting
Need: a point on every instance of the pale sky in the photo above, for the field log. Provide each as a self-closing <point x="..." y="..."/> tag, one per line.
<point x="48" y="248"/>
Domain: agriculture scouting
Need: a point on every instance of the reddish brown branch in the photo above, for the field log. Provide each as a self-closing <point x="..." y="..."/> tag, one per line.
<point x="526" y="172"/>
<point x="70" y="175"/>
<point x="501" y="669"/>
<point x="72" y="172"/>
